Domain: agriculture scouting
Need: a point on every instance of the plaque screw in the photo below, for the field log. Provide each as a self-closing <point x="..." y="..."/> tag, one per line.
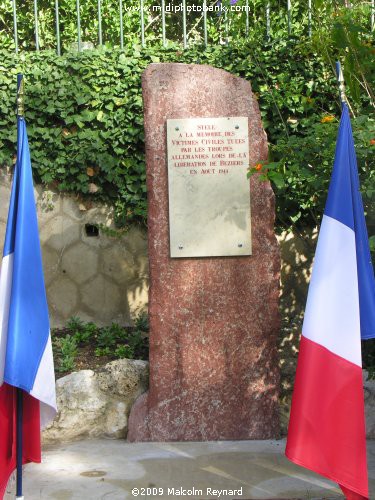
<point x="237" y="126"/>
<point x="177" y="128"/>
<point x="240" y="245"/>
<point x="180" y="247"/>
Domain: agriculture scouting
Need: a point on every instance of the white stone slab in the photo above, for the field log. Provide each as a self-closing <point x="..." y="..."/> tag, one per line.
<point x="209" y="193"/>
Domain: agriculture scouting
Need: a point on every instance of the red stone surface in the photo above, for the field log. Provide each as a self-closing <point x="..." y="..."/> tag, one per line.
<point x="213" y="321"/>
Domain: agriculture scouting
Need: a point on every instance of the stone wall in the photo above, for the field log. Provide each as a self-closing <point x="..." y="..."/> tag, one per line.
<point x="297" y="253"/>
<point x="105" y="278"/>
<point x="100" y="278"/>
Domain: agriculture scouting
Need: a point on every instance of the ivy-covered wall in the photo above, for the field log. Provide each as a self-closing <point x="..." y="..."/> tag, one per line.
<point x="85" y="122"/>
<point x="85" y="119"/>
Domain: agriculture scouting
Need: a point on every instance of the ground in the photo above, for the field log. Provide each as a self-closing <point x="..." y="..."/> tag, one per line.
<point x="117" y="470"/>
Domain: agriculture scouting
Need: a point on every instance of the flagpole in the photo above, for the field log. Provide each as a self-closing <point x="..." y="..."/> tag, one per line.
<point x="341" y="83"/>
<point x="19" y="443"/>
<point x="19" y="421"/>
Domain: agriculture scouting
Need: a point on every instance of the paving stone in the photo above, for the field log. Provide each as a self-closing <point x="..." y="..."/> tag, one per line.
<point x="111" y="469"/>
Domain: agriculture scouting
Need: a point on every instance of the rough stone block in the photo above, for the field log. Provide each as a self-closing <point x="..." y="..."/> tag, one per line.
<point x="213" y="321"/>
<point x="97" y="403"/>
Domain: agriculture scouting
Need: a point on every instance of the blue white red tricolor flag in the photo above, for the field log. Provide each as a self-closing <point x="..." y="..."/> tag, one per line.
<point x="327" y="423"/>
<point x="26" y="360"/>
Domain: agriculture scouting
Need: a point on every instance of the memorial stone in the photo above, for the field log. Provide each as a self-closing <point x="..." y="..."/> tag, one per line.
<point x="214" y="262"/>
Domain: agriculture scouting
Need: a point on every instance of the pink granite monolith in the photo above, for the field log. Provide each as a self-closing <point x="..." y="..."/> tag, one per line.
<point x="213" y="321"/>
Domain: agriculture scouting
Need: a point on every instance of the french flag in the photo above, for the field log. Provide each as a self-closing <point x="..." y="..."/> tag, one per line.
<point x="327" y="423"/>
<point x="26" y="360"/>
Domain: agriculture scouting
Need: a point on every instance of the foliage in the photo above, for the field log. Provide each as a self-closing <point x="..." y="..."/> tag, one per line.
<point x="301" y="165"/>
<point x="141" y="322"/>
<point x="349" y="39"/>
<point x="85" y="333"/>
<point x="124" y="351"/>
<point x="108" y="337"/>
<point x="118" y="341"/>
<point x="222" y="27"/>
<point x="80" y="339"/>
<point x="68" y="23"/>
<point x="75" y="323"/>
<point x="84" y="110"/>
<point x="301" y="162"/>
<point x="65" y="352"/>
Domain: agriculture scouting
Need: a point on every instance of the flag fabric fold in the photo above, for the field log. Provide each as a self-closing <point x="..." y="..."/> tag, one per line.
<point x="26" y="360"/>
<point x="327" y="423"/>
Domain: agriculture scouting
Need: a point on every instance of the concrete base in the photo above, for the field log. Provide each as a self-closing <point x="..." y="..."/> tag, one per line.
<point x="105" y="469"/>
